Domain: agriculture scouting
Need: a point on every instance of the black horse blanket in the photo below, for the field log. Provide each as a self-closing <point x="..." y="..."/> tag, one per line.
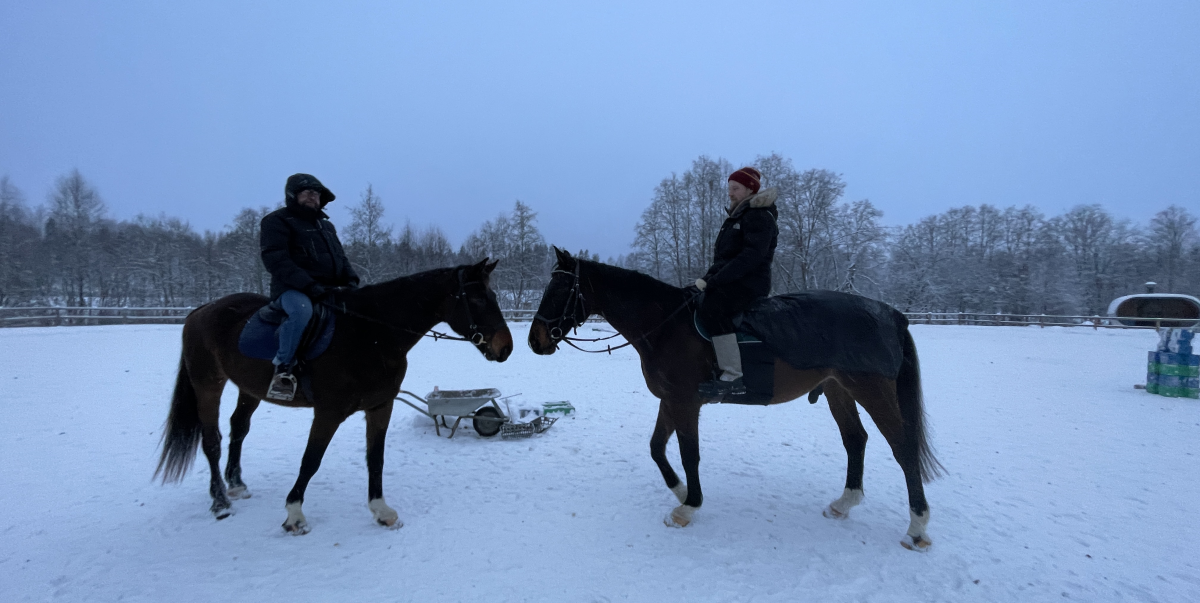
<point x="818" y="329"/>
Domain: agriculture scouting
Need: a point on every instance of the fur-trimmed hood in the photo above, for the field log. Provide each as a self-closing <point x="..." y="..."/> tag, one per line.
<point x="759" y="200"/>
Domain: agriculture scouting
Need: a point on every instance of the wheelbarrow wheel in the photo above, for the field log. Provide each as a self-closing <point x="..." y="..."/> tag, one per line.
<point x="487" y="421"/>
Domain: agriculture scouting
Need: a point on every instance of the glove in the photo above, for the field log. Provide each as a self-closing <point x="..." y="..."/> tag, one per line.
<point x="316" y="292"/>
<point x="700" y="284"/>
<point x="692" y="291"/>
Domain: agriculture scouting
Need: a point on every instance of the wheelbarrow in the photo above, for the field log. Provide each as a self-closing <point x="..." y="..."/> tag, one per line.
<point x="481" y="406"/>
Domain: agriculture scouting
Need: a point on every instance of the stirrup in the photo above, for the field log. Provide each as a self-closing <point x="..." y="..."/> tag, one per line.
<point x="716" y="388"/>
<point x="283" y="387"/>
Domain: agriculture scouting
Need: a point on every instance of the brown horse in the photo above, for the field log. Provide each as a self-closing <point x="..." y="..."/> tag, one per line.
<point x="361" y="370"/>
<point x="655" y="318"/>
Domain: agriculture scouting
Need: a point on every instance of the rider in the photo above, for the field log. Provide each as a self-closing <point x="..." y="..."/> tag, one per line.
<point x="301" y="250"/>
<point x="740" y="274"/>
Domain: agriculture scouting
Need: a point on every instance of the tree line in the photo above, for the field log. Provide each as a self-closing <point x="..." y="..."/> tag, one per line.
<point x="1017" y="260"/>
<point x="1013" y="260"/>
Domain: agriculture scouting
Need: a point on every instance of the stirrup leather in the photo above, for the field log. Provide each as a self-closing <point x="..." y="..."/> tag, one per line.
<point x="283" y="387"/>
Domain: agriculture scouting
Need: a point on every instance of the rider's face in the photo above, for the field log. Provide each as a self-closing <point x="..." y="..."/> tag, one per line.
<point x="309" y="198"/>
<point x="737" y="193"/>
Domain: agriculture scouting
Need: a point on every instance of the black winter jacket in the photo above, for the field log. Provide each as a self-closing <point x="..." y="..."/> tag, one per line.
<point x="745" y="247"/>
<point x="300" y="249"/>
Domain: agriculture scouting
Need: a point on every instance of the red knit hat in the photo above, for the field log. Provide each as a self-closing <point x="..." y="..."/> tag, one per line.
<point x="747" y="177"/>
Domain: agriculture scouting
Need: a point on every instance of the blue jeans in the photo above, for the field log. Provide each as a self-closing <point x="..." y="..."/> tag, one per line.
<point x="299" y="309"/>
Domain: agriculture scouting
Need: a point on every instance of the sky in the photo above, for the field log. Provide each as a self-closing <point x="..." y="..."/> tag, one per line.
<point x="453" y="111"/>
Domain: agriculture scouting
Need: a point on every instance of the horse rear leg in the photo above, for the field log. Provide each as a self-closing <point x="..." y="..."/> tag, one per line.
<point x="854" y="438"/>
<point x="208" y="396"/>
<point x="658" y="451"/>
<point x="239" y="426"/>
<point x="686" y="417"/>
<point x="377" y="426"/>
<point x="324" y="425"/>
<point x="878" y="397"/>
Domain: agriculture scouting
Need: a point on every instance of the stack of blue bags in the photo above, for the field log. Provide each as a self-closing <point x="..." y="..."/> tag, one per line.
<point x="1173" y="370"/>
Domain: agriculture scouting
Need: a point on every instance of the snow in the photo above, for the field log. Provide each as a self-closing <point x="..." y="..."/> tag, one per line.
<point x="1065" y="482"/>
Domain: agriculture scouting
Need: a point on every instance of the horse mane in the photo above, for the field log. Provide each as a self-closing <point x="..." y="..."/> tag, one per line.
<point x="625" y="283"/>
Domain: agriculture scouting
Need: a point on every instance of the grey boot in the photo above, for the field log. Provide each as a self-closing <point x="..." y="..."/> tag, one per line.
<point x="729" y="356"/>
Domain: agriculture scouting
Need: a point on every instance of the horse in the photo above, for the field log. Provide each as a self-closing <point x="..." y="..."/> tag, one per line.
<point x="360" y="370"/>
<point x="651" y="315"/>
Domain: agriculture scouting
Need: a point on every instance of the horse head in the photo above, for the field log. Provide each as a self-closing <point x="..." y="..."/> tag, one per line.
<point x="562" y="308"/>
<point x="475" y="314"/>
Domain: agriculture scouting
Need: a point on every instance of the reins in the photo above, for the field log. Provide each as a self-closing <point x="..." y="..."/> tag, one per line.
<point x="476" y="337"/>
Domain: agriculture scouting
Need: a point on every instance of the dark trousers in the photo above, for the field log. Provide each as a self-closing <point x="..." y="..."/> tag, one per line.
<point x="719" y="307"/>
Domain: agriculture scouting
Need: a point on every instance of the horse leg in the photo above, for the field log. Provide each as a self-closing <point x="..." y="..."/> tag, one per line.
<point x="324" y="425"/>
<point x="854" y="438"/>
<point x="686" y="417"/>
<point x="377" y="426"/>
<point x="239" y="426"/>
<point x="658" y="451"/>
<point x="878" y="397"/>
<point x="208" y="396"/>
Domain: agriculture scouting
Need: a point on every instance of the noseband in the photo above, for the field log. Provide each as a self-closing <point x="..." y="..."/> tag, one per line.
<point x="574" y="312"/>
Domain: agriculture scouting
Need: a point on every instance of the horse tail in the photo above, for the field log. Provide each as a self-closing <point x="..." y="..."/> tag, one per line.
<point x="182" y="433"/>
<point x="912" y="407"/>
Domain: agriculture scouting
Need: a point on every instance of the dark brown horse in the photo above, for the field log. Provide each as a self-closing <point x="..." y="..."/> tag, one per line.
<point x="675" y="359"/>
<point x="361" y="370"/>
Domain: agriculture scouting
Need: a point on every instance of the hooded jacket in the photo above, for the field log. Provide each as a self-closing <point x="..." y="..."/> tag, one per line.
<point x="300" y="249"/>
<point x="744" y="249"/>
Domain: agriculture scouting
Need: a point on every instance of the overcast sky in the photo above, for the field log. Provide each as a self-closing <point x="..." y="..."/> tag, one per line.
<point x="453" y="111"/>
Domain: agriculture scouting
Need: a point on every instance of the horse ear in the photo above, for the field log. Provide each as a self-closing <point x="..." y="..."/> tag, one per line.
<point x="564" y="257"/>
<point x="490" y="267"/>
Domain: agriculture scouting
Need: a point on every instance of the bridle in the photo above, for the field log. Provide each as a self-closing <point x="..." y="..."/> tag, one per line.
<point x="476" y="337"/>
<point x="576" y="313"/>
<point x="573" y="310"/>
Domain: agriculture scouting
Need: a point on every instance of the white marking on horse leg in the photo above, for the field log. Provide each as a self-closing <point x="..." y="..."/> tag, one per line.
<point x="840" y="508"/>
<point x="680" y="517"/>
<point x="680" y="491"/>
<point x="916" y="539"/>
<point x="237" y="492"/>
<point x="384" y="515"/>
<point x="295" y="523"/>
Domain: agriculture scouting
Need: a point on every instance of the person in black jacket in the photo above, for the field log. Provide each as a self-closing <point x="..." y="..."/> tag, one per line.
<point x="300" y="249"/>
<point x="740" y="274"/>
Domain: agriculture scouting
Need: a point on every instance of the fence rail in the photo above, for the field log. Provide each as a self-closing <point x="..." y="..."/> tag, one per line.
<point x="46" y="316"/>
<point x="60" y="316"/>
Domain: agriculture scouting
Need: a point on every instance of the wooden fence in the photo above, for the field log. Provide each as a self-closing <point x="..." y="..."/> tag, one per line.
<point x="52" y="316"/>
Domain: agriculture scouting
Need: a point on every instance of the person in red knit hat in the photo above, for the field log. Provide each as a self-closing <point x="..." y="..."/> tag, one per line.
<point x="740" y="274"/>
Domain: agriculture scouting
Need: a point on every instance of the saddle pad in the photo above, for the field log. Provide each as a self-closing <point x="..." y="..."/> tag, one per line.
<point x="830" y="329"/>
<point x="260" y="339"/>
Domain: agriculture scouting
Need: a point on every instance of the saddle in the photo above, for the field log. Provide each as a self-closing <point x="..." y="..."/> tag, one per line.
<point x="758" y="363"/>
<point x="820" y="329"/>
<point x="260" y="339"/>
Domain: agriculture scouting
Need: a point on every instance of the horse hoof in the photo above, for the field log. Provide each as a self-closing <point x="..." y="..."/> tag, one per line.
<point x="680" y="517"/>
<point x="833" y="513"/>
<point x="222" y="513"/>
<point x="299" y="528"/>
<point x="237" y="492"/>
<point x="916" y="543"/>
<point x="385" y="515"/>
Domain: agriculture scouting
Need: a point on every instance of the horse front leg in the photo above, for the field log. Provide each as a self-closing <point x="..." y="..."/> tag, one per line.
<point x="377" y="426"/>
<point x="324" y="425"/>
<point x="658" y="451"/>
<point x="686" y="416"/>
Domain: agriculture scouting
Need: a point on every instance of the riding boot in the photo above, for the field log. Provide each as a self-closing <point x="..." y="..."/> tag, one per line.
<point x="283" y="384"/>
<point x="729" y="360"/>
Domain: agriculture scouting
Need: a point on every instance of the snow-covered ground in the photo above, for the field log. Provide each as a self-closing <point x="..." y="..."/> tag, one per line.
<point x="1065" y="482"/>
